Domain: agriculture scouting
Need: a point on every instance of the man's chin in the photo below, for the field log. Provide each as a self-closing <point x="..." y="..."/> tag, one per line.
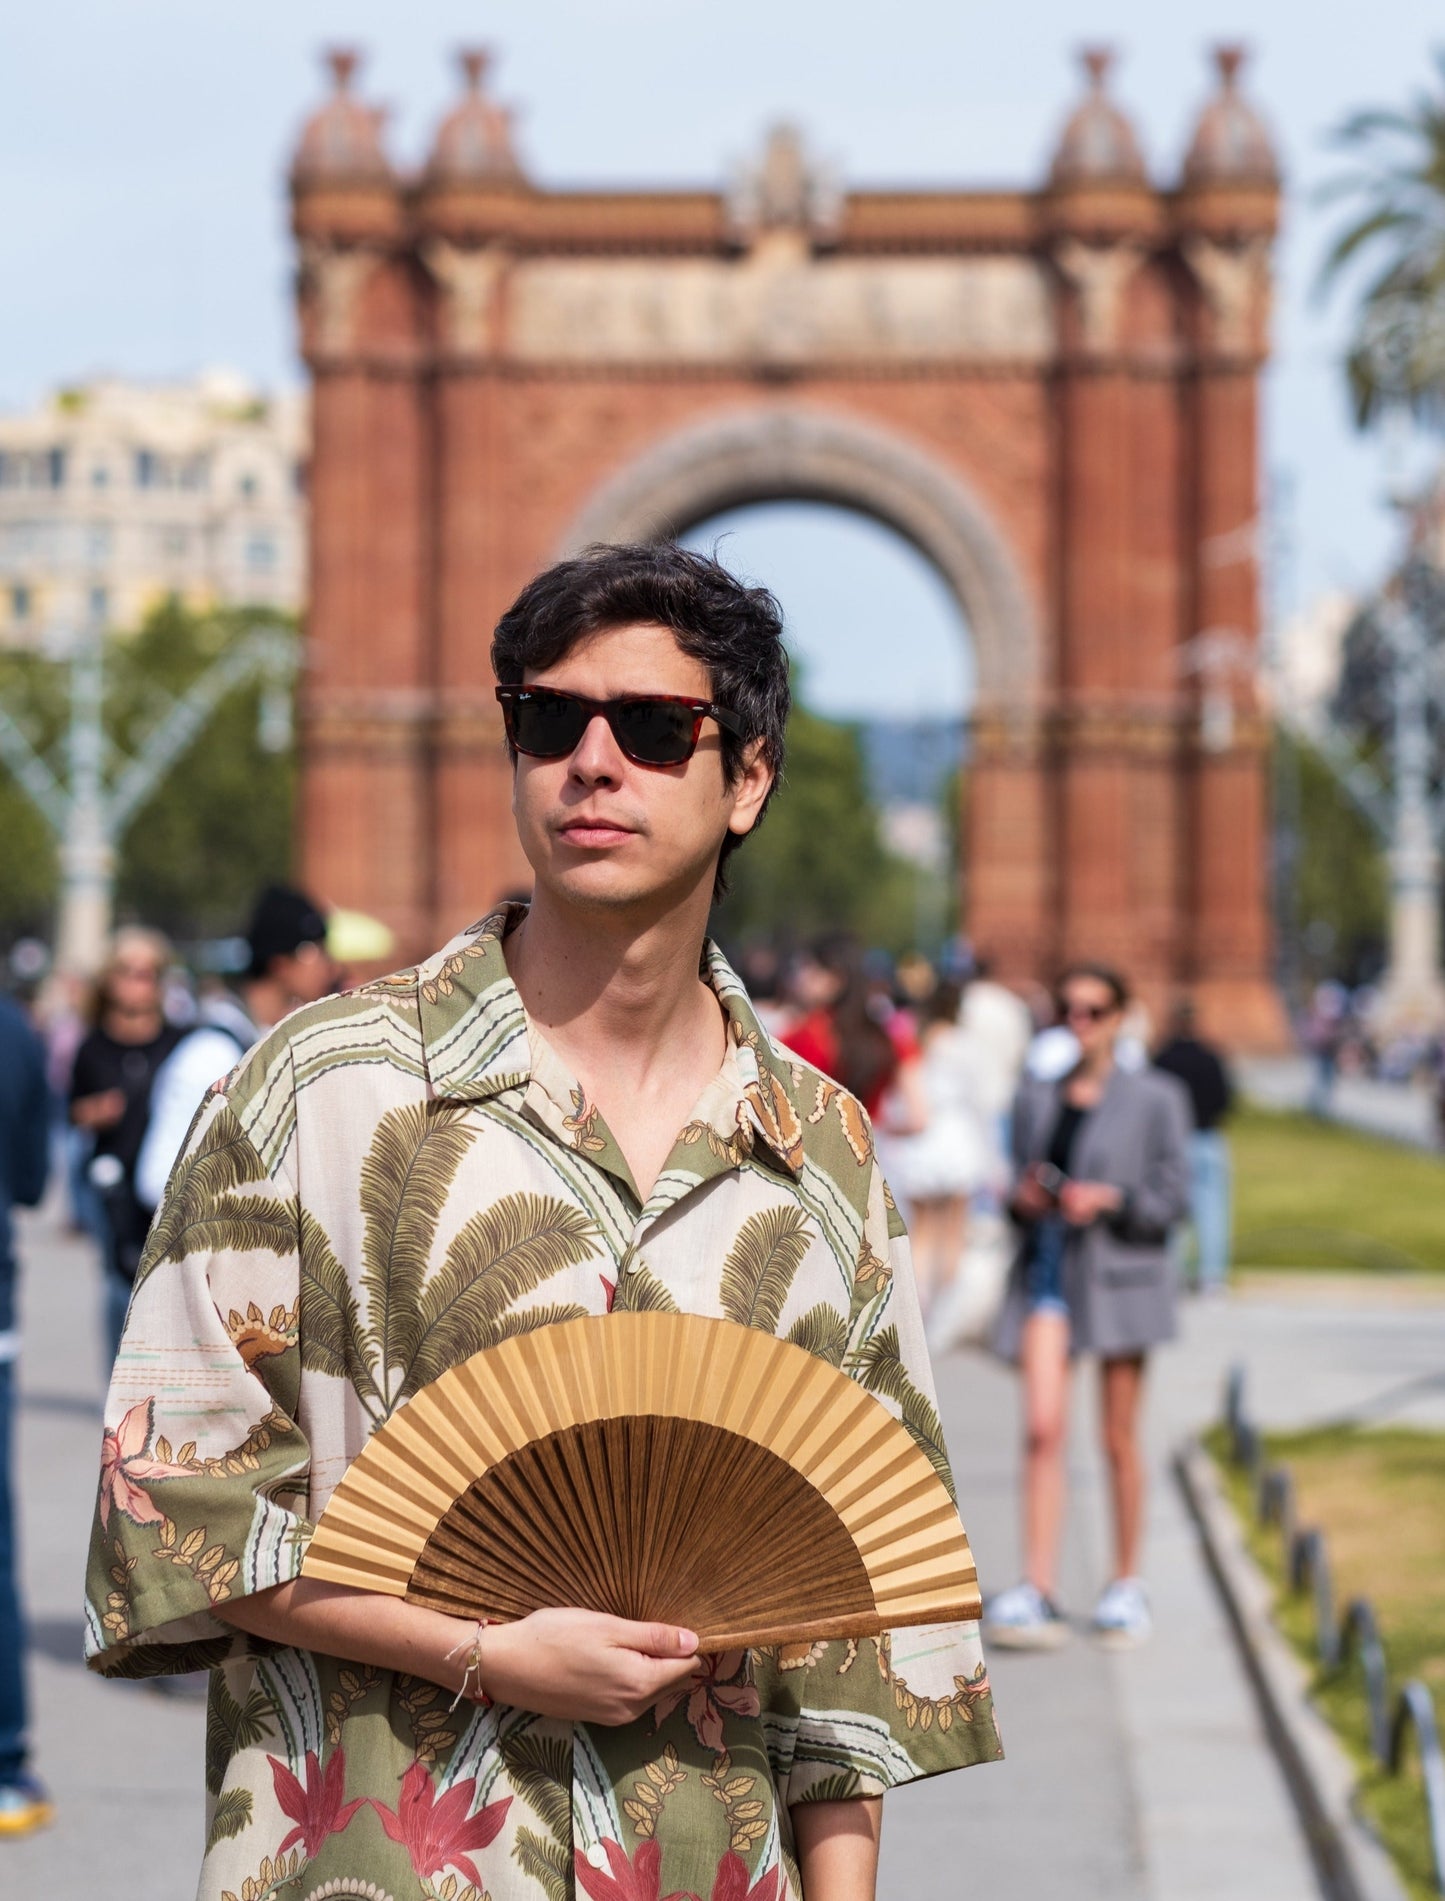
<point x="603" y="885"/>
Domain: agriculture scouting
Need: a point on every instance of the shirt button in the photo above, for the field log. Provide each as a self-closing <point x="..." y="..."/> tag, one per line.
<point x="597" y="1855"/>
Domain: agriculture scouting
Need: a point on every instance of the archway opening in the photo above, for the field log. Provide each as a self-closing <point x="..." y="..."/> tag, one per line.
<point x="868" y="833"/>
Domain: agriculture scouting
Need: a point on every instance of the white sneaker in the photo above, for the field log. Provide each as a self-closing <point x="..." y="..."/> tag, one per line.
<point x="1022" y="1618"/>
<point x="1121" y="1616"/>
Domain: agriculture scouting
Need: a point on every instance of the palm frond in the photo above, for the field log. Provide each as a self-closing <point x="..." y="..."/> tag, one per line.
<point x="639" y="1291"/>
<point x="242" y="1224"/>
<point x="231" y="1726"/>
<point x="332" y="1338"/>
<point x="231" y="1816"/>
<point x="500" y="1255"/>
<point x="822" y="1331"/>
<point x="878" y="1366"/>
<point x="540" y="1767"/>
<point x="409" y="1169"/>
<point x="761" y="1264"/>
<point x="545" y="1862"/>
<point x="225" y="1158"/>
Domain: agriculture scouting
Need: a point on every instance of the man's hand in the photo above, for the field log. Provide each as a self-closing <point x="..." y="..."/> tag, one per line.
<point x="581" y="1666"/>
<point x="584" y="1666"/>
<point x="1084" y="1202"/>
<point x="100" y="1111"/>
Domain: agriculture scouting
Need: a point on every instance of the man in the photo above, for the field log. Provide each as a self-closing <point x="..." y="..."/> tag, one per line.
<point x="1201" y="1069"/>
<point x="571" y="1109"/>
<point x="24" y="1149"/>
<point x="289" y="965"/>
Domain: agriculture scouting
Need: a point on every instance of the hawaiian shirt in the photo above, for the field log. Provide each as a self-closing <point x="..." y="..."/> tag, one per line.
<point x="393" y="1180"/>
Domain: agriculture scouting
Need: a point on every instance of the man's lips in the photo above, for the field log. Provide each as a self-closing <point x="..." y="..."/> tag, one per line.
<point x="593" y="832"/>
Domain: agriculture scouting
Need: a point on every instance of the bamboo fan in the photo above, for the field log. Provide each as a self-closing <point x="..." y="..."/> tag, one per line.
<point x="653" y="1465"/>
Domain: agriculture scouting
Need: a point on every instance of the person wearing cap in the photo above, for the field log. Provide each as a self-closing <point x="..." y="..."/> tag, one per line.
<point x="290" y="965"/>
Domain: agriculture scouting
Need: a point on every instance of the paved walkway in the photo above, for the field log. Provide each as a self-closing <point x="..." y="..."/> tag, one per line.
<point x="1137" y="1778"/>
<point x="1404" y="1112"/>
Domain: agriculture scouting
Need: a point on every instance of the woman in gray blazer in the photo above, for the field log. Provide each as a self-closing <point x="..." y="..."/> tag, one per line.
<point x="1101" y="1175"/>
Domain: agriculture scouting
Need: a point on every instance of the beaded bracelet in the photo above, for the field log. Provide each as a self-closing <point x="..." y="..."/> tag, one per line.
<point x="472" y="1693"/>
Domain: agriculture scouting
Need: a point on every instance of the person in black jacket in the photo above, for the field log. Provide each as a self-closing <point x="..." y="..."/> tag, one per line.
<point x="24" y="1142"/>
<point x="1201" y="1069"/>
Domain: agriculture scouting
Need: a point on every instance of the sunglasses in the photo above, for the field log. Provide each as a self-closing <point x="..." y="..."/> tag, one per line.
<point x="1085" y="1012"/>
<point x="653" y="729"/>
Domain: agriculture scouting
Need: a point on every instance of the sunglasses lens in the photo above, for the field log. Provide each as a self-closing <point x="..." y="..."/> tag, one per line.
<point x="546" y="726"/>
<point x="654" y="732"/>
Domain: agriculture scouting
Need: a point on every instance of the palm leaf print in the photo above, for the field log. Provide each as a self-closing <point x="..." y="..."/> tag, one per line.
<point x="332" y="1340"/>
<point x="822" y="1330"/>
<point x="530" y="1318"/>
<point x="546" y="1862"/>
<point x="501" y="1255"/>
<point x="231" y="1726"/>
<point x="540" y="1767"/>
<point x="640" y="1291"/>
<point x="231" y="1815"/>
<point x="198" y="1194"/>
<point x="878" y="1367"/>
<point x="411" y="1164"/>
<point x="760" y="1268"/>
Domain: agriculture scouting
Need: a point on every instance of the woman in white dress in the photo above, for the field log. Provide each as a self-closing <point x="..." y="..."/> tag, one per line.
<point x="937" y="1171"/>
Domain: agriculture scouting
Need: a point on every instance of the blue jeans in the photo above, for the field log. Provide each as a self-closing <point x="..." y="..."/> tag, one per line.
<point x="12" y="1633"/>
<point x="1044" y="1267"/>
<point x="1210" y="1205"/>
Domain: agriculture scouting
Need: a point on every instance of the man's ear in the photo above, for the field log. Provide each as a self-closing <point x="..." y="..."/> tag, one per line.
<point x="750" y="789"/>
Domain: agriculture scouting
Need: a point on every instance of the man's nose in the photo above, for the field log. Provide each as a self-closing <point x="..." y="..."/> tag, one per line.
<point x="597" y="756"/>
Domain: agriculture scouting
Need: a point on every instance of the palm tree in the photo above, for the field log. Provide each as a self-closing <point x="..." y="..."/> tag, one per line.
<point x="1397" y="353"/>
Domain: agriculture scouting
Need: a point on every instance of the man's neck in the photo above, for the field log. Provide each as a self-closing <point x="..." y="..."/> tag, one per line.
<point x="614" y="995"/>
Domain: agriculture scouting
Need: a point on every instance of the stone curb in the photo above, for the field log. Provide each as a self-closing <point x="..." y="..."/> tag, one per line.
<point x="1350" y="1862"/>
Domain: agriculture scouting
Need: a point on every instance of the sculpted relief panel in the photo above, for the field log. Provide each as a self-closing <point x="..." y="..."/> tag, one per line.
<point x="777" y="306"/>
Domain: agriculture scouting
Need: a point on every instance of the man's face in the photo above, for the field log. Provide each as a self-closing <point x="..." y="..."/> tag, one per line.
<point x="598" y="829"/>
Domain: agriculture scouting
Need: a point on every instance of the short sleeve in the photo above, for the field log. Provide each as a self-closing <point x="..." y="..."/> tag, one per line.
<point x="204" y="1470"/>
<point x="856" y="1719"/>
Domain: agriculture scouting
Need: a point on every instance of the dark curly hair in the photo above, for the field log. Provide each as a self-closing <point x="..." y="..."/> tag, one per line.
<point x="736" y="631"/>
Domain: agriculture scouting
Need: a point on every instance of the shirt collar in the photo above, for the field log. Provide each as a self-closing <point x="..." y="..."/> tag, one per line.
<point x="477" y="1041"/>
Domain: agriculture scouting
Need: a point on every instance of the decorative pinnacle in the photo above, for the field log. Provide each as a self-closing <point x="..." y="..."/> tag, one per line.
<point x="474" y="61"/>
<point x="343" y="61"/>
<point x="1097" y="63"/>
<point x="1228" y="59"/>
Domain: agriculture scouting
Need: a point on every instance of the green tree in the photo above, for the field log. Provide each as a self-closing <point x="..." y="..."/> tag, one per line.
<point x="817" y="857"/>
<point x="220" y="825"/>
<point x="216" y="827"/>
<point x="1397" y="232"/>
<point x="1341" y="896"/>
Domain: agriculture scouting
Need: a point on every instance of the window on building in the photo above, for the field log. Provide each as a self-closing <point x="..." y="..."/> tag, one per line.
<point x="147" y="469"/>
<point x="8" y="469"/>
<point x="99" y="603"/>
<point x="55" y="468"/>
<point x="298" y="477"/>
<point x="99" y="476"/>
<point x="20" y="602"/>
<point x="97" y="541"/>
<point x="249" y="486"/>
<point x="260" y="554"/>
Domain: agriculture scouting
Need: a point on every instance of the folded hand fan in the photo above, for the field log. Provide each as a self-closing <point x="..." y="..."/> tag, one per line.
<point x="652" y="1465"/>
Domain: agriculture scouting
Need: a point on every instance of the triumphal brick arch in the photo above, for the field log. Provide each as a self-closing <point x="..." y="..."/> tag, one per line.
<point x="1051" y="392"/>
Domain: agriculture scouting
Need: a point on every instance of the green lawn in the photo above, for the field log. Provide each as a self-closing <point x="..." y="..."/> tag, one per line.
<point x="1376" y="1495"/>
<point x="1313" y="1194"/>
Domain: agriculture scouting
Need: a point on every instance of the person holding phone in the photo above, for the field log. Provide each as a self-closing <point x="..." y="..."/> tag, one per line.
<point x="1101" y="1176"/>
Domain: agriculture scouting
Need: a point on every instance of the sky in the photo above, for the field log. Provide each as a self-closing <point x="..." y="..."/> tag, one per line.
<point x="143" y="146"/>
